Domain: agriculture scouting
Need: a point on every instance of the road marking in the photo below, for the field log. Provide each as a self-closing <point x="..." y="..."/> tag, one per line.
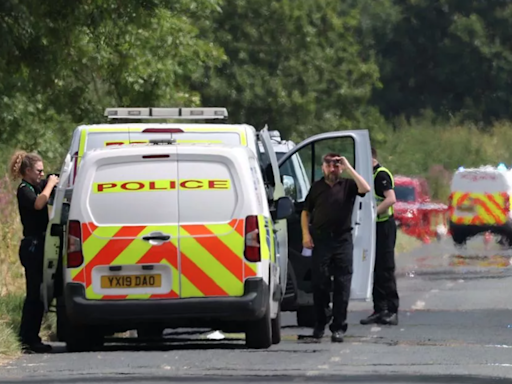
<point x="335" y="359"/>
<point x="375" y="329"/>
<point x="323" y="366"/>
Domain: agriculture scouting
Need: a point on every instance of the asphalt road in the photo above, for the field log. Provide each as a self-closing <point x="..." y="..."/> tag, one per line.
<point x="455" y="319"/>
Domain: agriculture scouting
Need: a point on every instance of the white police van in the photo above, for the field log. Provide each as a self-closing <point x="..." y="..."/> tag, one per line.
<point x="296" y="169"/>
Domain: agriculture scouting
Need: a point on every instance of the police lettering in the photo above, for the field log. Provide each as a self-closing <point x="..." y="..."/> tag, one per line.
<point x="160" y="185"/>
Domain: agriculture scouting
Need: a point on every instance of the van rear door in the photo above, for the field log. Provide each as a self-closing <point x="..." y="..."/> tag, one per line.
<point x="130" y="232"/>
<point x="355" y="146"/>
<point x="211" y="232"/>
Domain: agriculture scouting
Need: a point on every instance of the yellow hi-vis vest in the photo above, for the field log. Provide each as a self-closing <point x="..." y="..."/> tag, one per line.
<point x="383" y="216"/>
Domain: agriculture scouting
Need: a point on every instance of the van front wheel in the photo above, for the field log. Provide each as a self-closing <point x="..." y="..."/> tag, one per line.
<point x="258" y="334"/>
<point x="276" y="327"/>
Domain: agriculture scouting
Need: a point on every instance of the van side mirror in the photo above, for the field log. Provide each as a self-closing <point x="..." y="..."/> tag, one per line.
<point x="284" y="208"/>
<point x="290" y="188"/>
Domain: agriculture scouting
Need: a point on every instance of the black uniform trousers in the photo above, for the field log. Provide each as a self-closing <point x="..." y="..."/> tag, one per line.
<point x="31" y="254"/>
<point x="385" y="294"/>
<point x="332" y="256"/>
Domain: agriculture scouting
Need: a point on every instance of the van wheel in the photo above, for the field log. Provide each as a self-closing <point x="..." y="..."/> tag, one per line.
<point x="276" y="327"/>
<point x="258" y="334"/>
<point x="79" y="338"/>
<point x="61" y="320"/>
<point x="83" y="339"/>
<point x="306" y="316"/>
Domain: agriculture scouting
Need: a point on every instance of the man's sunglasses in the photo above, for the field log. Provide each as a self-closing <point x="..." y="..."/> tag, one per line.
<point x="332" y="162"/>
<point x="39" y="170"/>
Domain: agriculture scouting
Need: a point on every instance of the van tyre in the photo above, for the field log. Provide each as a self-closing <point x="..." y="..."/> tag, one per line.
<point x="276" y="326"/>
<point x="61" y="319"/>
<point x="77" y="338"/>
<point x="306" y="316"/>
<point x="83" y="339"/>
<point x="258" y="334"/>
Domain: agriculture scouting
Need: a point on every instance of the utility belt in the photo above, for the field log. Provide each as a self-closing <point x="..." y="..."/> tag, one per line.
<point x="40" y="236"/>
<point x="34" y="241"/>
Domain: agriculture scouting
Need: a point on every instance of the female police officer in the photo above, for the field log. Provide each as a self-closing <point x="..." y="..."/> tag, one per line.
<point x="33" y="194"/>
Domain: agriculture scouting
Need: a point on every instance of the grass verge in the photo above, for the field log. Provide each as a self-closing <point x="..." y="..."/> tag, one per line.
<point x="11" y="306"/>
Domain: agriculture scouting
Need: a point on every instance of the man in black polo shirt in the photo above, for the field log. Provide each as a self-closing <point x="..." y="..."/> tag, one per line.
<point x="328" y="208"/>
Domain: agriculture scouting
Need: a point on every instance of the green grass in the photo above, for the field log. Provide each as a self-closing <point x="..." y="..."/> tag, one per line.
<point x="11" y="306"/>
<point x="10" y="316"/>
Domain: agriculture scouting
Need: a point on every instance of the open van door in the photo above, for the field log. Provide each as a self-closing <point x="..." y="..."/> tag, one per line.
<point x="355" y="146"/>
<point x="272" y="175"/>
<point x="54" y="240"/>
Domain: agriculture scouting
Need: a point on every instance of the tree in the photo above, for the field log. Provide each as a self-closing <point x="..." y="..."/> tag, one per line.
<point x="295" y="65"/>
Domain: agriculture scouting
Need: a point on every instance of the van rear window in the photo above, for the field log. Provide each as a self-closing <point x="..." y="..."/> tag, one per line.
<point x="135" y="193"/>
<point x="211" y="194"/>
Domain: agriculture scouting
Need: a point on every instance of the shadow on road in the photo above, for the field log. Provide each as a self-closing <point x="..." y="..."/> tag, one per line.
<point x="347" y="379"/>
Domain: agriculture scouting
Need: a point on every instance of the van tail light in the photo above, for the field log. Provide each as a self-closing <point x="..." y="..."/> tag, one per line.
<point x="252" y="239"/>
<point x="75" y="255"/>
<point x="506" y="196"/>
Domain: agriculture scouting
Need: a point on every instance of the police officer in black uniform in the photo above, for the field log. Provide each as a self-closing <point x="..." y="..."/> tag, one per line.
<point x="385" y="294"/>
<point x="328" y="208"/>
<point x="33" y="195"/>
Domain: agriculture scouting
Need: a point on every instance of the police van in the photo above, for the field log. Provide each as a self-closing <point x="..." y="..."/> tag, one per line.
<point x="296" y="169"/>
<point x="479" y="202"/>
<point x="171" y="235"/>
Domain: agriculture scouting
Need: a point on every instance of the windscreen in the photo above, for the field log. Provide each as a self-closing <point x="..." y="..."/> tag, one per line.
<point x="404" y="193"/>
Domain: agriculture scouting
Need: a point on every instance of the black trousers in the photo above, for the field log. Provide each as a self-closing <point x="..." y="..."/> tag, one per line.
<point x="385" y="294"/>
<point x="332" y="256"/>
<point x="31" y="254"/>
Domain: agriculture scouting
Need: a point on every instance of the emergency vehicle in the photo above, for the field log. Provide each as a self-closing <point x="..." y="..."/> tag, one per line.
<point x="479" y="202"/>
<point x="168" y="236"/>
<point x="354" y="144"/>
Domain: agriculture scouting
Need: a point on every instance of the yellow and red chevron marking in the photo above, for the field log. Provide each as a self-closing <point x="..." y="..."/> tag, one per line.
<point x="210" y="257"/>
<point x="489" y="208"/>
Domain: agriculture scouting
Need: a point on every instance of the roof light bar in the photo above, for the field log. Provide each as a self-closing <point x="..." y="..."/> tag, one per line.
<point x="167" y="113"/>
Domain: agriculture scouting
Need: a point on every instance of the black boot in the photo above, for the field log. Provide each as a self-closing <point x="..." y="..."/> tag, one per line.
<point x="318" y="332"/>
<point x="36" y="348"/>
<point x="374" y="318"/>
<point x="337" y="337"/>
<point x="389" y="318"/>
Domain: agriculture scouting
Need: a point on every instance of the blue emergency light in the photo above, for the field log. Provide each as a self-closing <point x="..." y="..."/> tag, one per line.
<point x="502" y="167"/>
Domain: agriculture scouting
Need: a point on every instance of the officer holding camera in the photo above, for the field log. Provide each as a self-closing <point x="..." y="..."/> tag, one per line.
<point x="328" y="210"/>
<point x="33" y="195"/>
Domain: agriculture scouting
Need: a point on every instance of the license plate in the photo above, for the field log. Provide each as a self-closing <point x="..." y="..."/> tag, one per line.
<point x="466" y="208"/>
<point x="131" y="281"/>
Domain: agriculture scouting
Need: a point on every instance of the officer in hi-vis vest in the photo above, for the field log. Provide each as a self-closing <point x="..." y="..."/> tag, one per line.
<point x="385" y="294"/>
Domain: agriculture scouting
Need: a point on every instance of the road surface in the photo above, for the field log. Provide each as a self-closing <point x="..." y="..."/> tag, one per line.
<point x="455" y="319"/>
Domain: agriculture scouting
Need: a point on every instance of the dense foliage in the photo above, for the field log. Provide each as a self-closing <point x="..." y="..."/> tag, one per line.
<point x="410" y="71"/>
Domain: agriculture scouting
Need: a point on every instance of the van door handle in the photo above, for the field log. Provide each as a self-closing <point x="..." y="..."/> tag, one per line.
<point x="156" y="237"/>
